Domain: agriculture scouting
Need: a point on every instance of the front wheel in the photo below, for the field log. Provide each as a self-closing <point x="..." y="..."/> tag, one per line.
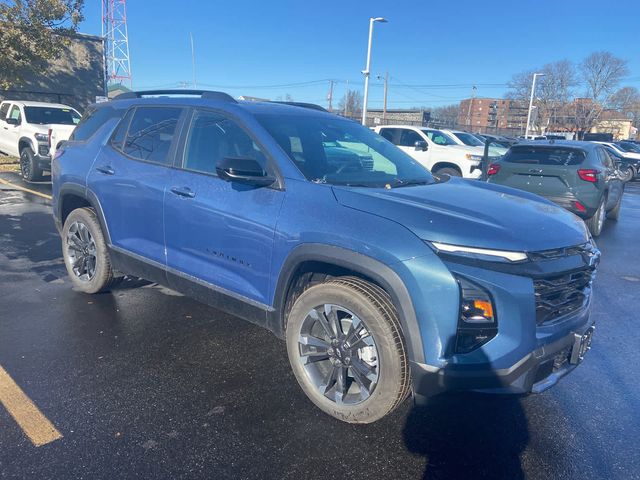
<point x="85" y="252"/>
<point x="28" y="166"/>
<point x="596" y="222"/>
<point x="346" y="350"/>
<point x="452" y="172"/>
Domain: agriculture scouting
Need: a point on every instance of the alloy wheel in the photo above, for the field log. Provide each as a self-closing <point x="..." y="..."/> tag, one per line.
<point x="338" y="354"/>
<point x="25" y="166"/>
<point x="81" y="251"/>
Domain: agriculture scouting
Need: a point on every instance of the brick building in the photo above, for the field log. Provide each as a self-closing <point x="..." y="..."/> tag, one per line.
<point x="492" y="115"/>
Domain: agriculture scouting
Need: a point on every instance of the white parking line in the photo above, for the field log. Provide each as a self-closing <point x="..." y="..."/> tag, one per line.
<point x="18" y="187"/>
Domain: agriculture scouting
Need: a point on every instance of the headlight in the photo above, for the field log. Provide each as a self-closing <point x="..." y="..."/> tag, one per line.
<point x="42" y="137"/>
<point x="477" y="323"/>
<point x="475" y="158"/>
<point x="480" y="253"/>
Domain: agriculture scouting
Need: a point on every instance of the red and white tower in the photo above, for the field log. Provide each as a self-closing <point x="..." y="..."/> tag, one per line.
<point x="114" y="31"/>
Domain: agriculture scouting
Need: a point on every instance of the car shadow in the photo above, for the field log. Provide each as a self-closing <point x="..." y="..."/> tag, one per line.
<point x="469" y="435"/>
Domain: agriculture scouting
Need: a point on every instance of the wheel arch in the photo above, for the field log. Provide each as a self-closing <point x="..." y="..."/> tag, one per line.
<point x="440" y="165"/>
<point x="73" y="196"/>
<point x="25" y="142"/>
<point x="326" y="259"/>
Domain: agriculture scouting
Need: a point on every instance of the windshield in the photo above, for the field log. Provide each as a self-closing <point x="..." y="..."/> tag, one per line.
<point x="51" y="115"/>
<point x="439" y="138"/>
<point x="629" y="147"/>
<point x="469" y="139"/>
<point x="333" y="150"/>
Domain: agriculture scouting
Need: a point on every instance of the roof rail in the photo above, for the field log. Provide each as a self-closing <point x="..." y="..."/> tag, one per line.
<point x="312" y="106"/>
<point x="208" y="94"/>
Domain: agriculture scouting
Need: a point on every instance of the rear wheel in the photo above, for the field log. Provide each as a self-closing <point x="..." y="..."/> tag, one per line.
<point x="627" y="174"/>
<point x="596" y="222"/>
<point x="28" y="166"/>
<point x="346" y="350"/>
<point x="614" y="213"/>
<point x="85" y="252"/>
<point x="452" y="172"/>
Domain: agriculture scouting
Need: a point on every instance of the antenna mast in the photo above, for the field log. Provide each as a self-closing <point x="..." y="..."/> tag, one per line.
<point x="114" y="32"/>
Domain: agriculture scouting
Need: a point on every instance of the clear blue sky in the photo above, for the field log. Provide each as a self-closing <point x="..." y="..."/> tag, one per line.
<point x="250" y="47"/>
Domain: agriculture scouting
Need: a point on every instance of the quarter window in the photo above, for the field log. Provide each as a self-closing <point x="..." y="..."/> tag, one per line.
<point x="151" y="133"/>
<point x="93" y="119"/>
<point x="213" y="137"/>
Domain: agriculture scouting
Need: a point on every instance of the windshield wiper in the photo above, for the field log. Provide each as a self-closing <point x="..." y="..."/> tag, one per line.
<point x="410" y="183"/>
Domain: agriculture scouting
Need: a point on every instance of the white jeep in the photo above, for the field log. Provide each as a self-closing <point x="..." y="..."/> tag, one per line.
<point x="33" y="131"/>
<point x="435" y="150"/>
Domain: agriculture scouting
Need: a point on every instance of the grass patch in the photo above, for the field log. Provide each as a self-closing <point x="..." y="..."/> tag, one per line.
<point x="9" y="164"/>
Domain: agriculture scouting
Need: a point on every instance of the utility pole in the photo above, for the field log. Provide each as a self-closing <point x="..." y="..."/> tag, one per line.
<point x="533" y="91"/>
<point x="330" y="96"/>
<point x="386" y="90"/>
<point x="367" y="70"/>
<point x="473" y="97"/>
<point x="115" y="33"/>
<point x="346" y="100"/>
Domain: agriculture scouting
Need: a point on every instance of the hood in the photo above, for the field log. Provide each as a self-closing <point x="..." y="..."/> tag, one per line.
<point x="472" y="213"/>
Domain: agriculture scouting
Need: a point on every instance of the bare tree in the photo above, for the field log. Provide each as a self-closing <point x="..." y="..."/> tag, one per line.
<point x="351" y="103"/>
<point x="33" y="32"/>
<point x="445" y="116"/>
<point x="553" y="91"/>
<point x="602" y="72"/>
<point x="627" y="101"/>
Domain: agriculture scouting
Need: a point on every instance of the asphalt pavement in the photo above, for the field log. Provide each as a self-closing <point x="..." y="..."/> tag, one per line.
<point x="145" y="383"/>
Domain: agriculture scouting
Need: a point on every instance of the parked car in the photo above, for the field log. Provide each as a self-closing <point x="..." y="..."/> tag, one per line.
<point x="382" y="279"/>
<point x="498" y="140"/>
<point x="33" y="131"/>
<point x="579" y="176"/>
<point x="469" y="139"/>
<point x="630" y="160"/>
<point x="598" y="137"/>
<point x="435" y="150"/>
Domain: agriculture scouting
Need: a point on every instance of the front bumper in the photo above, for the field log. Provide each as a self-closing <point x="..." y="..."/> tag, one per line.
<point x="534" y="373"/>
<point x="43" y="162"/>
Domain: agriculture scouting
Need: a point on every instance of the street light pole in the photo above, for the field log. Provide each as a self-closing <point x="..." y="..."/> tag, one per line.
<point x="533" y="91"/>
<point x="366" y="72"/>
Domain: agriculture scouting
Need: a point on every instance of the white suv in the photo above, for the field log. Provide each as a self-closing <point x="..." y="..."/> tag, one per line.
<point x="435" y="150"/>
<point x="33" y="131"/>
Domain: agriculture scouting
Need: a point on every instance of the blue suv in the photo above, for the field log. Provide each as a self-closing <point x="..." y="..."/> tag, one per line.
<point x="383" y="279"/>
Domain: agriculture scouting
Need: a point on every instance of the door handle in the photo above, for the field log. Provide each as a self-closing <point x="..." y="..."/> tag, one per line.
<point x="106" y="169"/>
<point x="185" y="192"/>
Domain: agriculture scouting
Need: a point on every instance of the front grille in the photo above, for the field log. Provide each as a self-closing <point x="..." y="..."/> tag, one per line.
<point x="559" y="295"/>
<point x="559" y="252"/>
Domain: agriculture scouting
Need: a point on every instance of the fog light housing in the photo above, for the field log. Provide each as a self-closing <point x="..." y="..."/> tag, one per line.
<point x="477" y="323"/>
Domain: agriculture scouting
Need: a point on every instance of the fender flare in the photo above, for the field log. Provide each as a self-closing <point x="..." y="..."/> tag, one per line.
<point x="369" y="267"/>
<point x="29" y="141"/>
<point x="90" y="197"/>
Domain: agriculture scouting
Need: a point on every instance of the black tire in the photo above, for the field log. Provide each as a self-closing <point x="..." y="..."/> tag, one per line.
<point x="628" y="174"/>
<point x="102" y="278"/>
<point x="614" y="213"/>
<point x="452" y="172"/>
<point x="379" y="325"/>
<point x="596" y="222"/>
<point x="28" y="166"/>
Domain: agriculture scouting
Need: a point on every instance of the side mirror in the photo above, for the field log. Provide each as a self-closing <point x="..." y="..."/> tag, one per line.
<point x="421" y="145"/>
<point x="243" y="170"/>
<point x="13" y="121"/>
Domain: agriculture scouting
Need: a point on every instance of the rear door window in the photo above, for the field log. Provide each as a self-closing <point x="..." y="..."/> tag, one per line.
<point x="151" y="133"/>
<point x="388" y="133"/>
<point x="545" y="155"/>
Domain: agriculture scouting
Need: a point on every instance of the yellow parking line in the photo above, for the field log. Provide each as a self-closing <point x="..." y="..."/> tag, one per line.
<point x="33" y="423"/>
<point x="33" y="192"/>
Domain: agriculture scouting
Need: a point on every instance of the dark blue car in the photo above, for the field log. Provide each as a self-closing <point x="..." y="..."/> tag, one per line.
<point x="384" y="280"/>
